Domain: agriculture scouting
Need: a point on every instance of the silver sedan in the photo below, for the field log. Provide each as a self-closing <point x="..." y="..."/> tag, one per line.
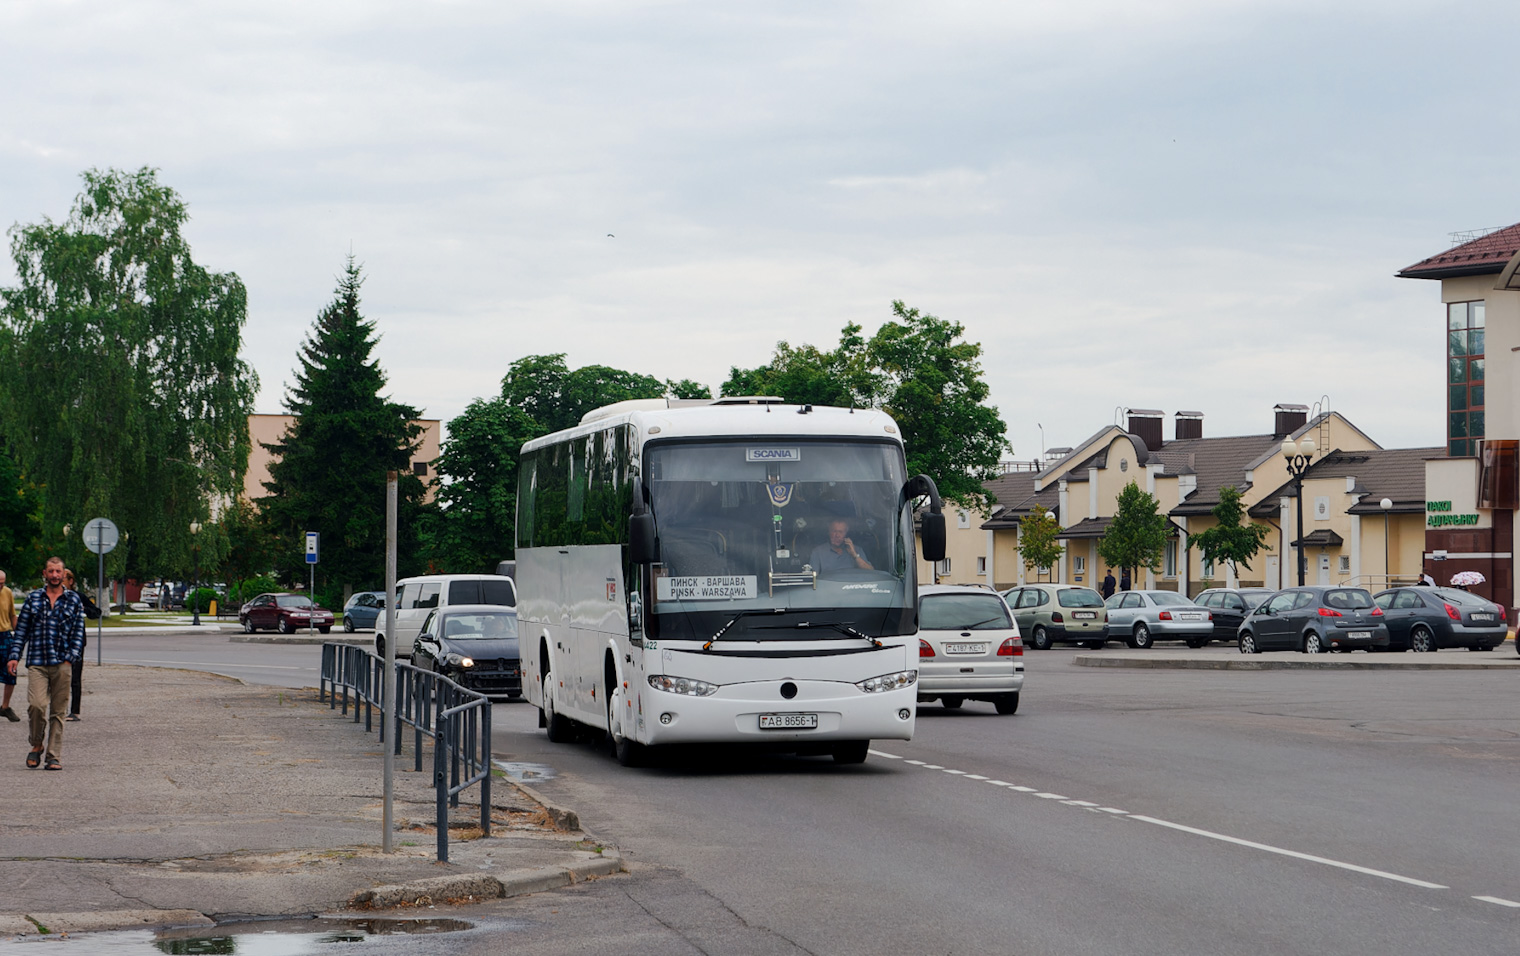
<point x="1140" y="618"/>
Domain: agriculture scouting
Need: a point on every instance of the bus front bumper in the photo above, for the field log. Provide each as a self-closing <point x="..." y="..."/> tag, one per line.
<point x="759" y="712"/>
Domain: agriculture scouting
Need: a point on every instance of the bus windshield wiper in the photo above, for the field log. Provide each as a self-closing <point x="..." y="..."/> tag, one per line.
<point x="839" y="626"/>
<point x="750" y="613"/>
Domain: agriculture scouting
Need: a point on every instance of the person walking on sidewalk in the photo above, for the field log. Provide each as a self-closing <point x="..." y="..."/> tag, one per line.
<point x="50" y="630"/>
<point x="7" y="625"/>
<point x="76" y="680"/>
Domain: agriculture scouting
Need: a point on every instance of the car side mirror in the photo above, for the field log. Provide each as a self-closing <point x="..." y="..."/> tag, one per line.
<point x="643" y="544"/>
<point x="424" y="637"/>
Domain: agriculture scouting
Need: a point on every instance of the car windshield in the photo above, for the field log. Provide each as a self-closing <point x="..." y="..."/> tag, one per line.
<point x="962" y="612"/>
<point x="1167" y="598"/>
<point x="1348" y="598"/>
<point x="1255" y="597"/>
<point x="293" y="600"/>
<point x="487" y="626"/>
<point x="1079" y="597"/>
<point x="779" y="537"/>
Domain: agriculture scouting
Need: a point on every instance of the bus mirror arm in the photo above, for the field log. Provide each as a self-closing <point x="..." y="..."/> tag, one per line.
<point x="931" y="527"/>
<point x="643" y="545"/>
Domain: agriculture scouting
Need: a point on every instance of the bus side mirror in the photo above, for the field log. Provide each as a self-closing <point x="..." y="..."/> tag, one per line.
<point x="642" y="543"/>
<point x="931" y="531"/>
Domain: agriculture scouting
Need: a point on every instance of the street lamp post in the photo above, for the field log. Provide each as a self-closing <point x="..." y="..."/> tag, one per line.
<point x="1386" y="504"/>
<point x="1299" y="457"/>
<point x="195" y="602"/>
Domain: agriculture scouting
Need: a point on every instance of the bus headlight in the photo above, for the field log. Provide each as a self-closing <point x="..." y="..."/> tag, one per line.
<point x="889" y="682"/>
<point x="682" y="685"/>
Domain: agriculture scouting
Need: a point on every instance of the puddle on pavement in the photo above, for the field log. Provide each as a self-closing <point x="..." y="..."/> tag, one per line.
<point x="525" y="772"/>
<point x="260" y="938"/>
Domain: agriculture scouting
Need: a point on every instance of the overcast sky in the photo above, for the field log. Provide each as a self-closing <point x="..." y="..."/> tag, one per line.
<point x="1174" y="205"/>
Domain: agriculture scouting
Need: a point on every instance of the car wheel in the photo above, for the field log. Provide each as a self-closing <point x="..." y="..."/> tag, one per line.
<point x="558" y="726"/>
<point x="1247" y="642"/>
<point x="853" y="751"/>
<point x="325" y="630"/>
<point x="248" y="627"/>
<point x="1040" y="639"/>
<point x="380" y="646"/>
<point x="348" y="624"/>
<point x="1142" y="637"/>
<point x="952" y="703"/>
<point x="1008" y="703"/>
<point x="287" y="628"/>
<point x="1313" y="643"/>
<point x="1421" y="640"/>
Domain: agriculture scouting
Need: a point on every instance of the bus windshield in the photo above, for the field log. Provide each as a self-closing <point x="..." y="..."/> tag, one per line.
<point x="814" y="528"/>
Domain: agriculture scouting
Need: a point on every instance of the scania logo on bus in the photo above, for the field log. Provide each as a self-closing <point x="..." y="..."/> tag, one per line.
<point x="773" y="454"/>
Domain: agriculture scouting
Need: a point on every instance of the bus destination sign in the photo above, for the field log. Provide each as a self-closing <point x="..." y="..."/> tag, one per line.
<point x="711" y="587"/>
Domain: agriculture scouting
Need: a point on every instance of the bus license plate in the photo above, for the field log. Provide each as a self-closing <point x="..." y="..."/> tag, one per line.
<point x="965" y="648"/>
<point x="788" y="721"/>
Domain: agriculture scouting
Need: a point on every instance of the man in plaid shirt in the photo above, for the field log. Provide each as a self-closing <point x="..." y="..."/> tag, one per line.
<point x="50" y="627"/>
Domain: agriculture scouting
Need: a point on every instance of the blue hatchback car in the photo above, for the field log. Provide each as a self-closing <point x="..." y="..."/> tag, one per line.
<point x="362" y="609"/>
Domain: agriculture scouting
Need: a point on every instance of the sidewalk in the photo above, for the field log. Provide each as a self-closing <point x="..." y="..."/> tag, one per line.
<point x="188" y="798"/>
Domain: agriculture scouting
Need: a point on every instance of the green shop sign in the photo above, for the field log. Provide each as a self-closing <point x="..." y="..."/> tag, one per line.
<point x="1444" y="518"/>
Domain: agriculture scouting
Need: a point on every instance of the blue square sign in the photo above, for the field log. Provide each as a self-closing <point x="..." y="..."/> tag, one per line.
<point x="311" y="547"/>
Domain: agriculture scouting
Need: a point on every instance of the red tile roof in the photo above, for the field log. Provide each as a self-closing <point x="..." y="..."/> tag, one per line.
<point x="1482" y="255"/>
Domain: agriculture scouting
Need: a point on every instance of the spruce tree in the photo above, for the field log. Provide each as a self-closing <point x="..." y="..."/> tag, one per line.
<point x="328" y="474"/>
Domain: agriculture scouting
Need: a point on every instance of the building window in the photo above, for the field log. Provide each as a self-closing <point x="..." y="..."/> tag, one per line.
<point x="1079" y="564"/>
<point x="963" y="520"/>
<point x="1345" y="564"/>
<point x="981" y="565"/>
<point x="1208" y="570"/>
<point x="1169" y="563"/>
<point x="419" y="468"/>
<point x="1499" y="474"/>
<point x="1464" y="377"/>
<point x="942" y="567"/>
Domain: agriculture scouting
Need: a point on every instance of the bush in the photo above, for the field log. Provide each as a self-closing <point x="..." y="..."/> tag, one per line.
<point x="200" y="600"/>
<point x="245" y="591"/>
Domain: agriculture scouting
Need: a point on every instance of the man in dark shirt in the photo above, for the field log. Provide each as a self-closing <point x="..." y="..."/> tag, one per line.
<point x="1108" y="584"/>
<point x="50" y="630"/>
<point x="838" y="553"/>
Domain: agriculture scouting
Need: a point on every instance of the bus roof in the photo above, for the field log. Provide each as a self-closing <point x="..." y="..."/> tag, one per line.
<point x="738" y="417"/>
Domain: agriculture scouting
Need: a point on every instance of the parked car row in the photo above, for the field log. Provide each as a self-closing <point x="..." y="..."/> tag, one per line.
<point x="1321" y="619"/>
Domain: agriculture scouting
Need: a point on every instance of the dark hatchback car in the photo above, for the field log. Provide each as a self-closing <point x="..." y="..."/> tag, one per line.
<point x="362" y="610"/>
<point x="287" y="613"/>
<point x="1230" y="607"/>
<point x="473" y="645"/>
<point x="1314" y="620"/>
<point x="1428" y="619"/>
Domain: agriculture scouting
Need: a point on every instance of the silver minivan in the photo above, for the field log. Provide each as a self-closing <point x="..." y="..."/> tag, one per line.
<point x="416" y="597"/>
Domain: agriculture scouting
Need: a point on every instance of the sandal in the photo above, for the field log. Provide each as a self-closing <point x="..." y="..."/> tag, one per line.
<point x="72" y="717"/>
<point x="53" y="764"/>
<point x="33" y="758"/>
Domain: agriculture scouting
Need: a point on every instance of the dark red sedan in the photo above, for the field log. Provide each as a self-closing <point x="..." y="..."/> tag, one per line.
<point x="286" y="612"/>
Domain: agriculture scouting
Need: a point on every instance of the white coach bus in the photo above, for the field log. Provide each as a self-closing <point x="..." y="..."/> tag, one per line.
<point x="736" y="570"/>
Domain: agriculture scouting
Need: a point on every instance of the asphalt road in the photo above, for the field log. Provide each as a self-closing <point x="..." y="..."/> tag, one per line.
<point x="278" y="665"/>
<point x="1120" y="812"/>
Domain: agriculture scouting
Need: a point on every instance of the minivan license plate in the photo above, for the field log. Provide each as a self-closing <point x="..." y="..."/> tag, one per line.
<point x="1359" y="635"/>
<point x="965" y="648"/>
<point x="788" y="721"/>
<point x="1085" y="615"/>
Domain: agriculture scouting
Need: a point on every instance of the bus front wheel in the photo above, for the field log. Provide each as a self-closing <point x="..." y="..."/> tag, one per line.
<point x="557" y="725"/>
<point x="852" y="751"/>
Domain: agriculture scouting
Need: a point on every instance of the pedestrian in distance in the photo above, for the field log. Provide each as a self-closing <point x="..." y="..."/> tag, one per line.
<point x="76" y="680"/>
<point x="7" y="626"/>
<point x="1426" y="580"/>
<point x="1108" y="584"/>
<point x="50" y="632"/>
<point x="1124" y="580"/>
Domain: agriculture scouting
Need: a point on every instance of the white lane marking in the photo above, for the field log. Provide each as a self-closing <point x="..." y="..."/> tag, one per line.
<point x="1000" y="783"/>
<point x="916" y="763"/>
<point x="1022" y="789"/>
<point x="1051" y="796"/>
<point x="1499" y="900"/>
<point x="887" y="755"/>
<point x="1111" y="810"/>
<point x="1291" y="853"/>
<point x="1079" y="803"/>
<point x="959" y="773"/>
<point x="932" y="766"/>
<point x="975" y="776"/>
<point x="258" y="667"/>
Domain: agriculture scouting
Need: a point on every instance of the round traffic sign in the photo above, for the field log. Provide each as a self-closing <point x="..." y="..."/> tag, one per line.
<point x="100" y="535"/>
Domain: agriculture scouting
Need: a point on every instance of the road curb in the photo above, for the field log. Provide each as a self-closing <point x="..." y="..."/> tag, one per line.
<point x="1245" y="663"/>
<point x="241" y="638"/>
<point x="473" y="887"/>
<point x="99" y="920"/>
<point x="563" y="818"/>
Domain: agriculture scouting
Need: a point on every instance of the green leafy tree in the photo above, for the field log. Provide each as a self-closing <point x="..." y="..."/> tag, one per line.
<point x="1037" y="539"/>
<point x="1232" y="541"/>
<point x="123" y="395"/>
<point x="686" y="388"/>
<point x="549" y="393"/>
<point x="247" y="551"/>
<point x="329" y="472"/>
<point x="474" y="526"/>
<point x="20" y="521"/>
<point x="917" y="368"/>
<point x="1137" y="537"/>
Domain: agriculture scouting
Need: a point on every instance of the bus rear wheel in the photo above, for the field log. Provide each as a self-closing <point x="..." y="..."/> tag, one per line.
<point x="851" y="751"/>
<point x="558" y="726"/>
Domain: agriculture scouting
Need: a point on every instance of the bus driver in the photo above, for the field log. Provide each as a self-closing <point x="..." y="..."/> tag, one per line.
<point x="838" y="553"/>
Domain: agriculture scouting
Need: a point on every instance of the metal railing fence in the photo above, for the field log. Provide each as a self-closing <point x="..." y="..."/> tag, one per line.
<point x="457" y="720"/>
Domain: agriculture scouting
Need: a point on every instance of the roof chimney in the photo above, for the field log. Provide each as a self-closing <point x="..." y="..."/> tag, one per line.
<point x="1145" y="424"/>
<point x="1188" y="425"/>
<point x="1290" y="418"/>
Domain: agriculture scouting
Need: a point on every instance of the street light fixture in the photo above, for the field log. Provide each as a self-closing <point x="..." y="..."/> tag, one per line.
<point x="1299" y="457"/>
<point x="195" y="603"/>
<point x="1386" y="504"/>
